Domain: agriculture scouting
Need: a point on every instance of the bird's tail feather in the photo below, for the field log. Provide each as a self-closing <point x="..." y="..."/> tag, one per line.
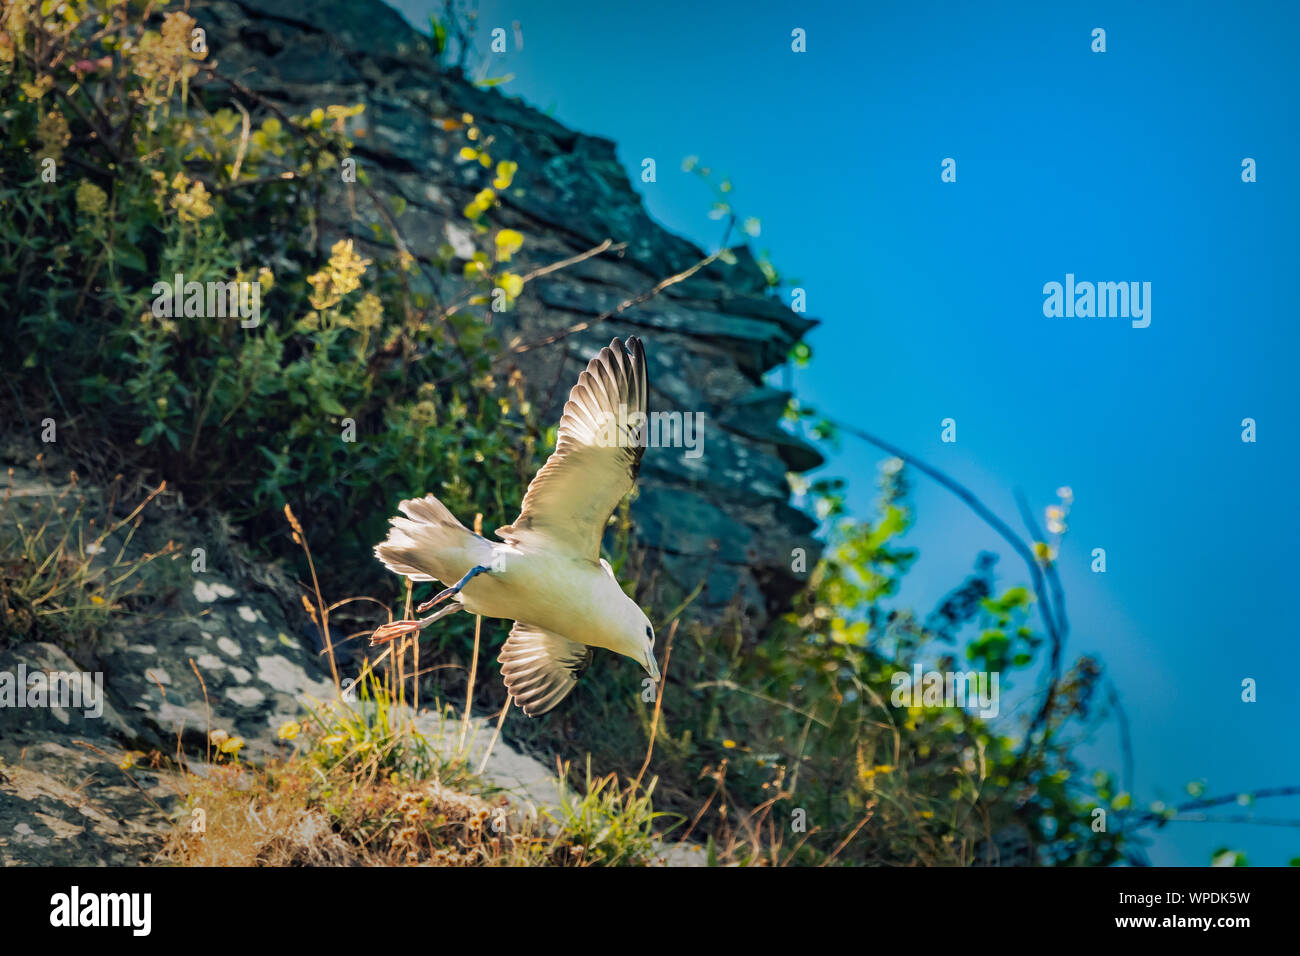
<point x="429" y="544"/>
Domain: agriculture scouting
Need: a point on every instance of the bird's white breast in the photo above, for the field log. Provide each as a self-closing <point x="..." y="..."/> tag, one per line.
<point x="563" y="594"/>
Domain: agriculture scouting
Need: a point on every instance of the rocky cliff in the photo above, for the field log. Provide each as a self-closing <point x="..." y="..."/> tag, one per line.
<point x="711" y="337"/>
<point x="722" y="519"/>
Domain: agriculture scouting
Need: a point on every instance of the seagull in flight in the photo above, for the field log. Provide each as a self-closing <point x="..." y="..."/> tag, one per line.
<point x="546" y="573"/>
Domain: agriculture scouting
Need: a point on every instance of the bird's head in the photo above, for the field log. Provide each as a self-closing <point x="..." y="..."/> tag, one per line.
<point x="650" y="663"/>
<point x="637" y="640"/>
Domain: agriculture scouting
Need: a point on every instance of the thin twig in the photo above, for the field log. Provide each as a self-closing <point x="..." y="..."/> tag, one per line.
<point x="845" y="842"/>
<point x="134" y="783"/>
<point x="659" y="703"/>
<point x="630" y="302"/>
<point x="473" y="666"/>
<point x="1125" y="740"/>
<point x="1062" y="629"/>
<point x="501" y="719"/>
<point x="1203" y="803"/>
<point x="607" y="246"/>
<point x="243" y="141"/>
<point x="207" y="708"/>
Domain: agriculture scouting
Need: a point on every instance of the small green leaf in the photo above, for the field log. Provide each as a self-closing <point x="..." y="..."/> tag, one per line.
<point x="128" y="255"/>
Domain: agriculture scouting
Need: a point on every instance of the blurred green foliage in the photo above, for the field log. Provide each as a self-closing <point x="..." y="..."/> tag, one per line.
<point x="148" y="181"/>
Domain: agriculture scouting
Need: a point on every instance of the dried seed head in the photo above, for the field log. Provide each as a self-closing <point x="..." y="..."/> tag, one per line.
<point x="293" y="522"/>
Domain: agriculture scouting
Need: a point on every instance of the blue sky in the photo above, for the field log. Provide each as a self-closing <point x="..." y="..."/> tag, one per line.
<point x="1115" y="166"/>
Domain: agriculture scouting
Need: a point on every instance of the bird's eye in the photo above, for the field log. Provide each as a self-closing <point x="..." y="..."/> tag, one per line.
<point x="649" y="634"/>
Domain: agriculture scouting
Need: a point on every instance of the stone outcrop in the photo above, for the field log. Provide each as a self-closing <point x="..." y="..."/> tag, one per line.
<point x="710" y="338"/>
<point x="724" y="517"/>
<point x="63" y="799"/>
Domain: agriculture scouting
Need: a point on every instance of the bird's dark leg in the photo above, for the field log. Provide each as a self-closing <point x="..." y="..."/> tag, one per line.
<point x="454" y="589"/>
<point x="395" y="629"/>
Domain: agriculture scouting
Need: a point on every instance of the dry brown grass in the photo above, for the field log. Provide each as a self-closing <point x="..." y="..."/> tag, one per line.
<point x="291" y="814"/>
<point x="280" y="817"/>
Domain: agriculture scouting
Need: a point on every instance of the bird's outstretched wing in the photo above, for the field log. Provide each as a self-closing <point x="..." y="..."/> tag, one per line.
<point x="597" y="455"/>
<point x="540" y="667"/>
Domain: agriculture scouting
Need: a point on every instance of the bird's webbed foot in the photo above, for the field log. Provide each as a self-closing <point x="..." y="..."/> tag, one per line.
<point x="396" y="629"/>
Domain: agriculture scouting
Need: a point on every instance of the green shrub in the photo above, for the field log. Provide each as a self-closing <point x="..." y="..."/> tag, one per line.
<point x="146" y="183"/>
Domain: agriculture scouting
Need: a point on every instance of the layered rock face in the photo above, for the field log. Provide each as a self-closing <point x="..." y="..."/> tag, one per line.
<point x="719" y="513"/>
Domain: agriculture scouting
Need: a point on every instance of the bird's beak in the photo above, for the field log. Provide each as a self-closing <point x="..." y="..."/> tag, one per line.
<point x="651" y="665"/>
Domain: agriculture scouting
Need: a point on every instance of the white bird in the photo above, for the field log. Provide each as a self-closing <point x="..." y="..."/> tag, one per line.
<point x="548" y="575"/>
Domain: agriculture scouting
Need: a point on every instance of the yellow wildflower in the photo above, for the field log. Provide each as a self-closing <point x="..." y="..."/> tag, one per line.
<point x="505" y="174"/>
<point x="480" y="204"/>
<point x="340" y="276"/>
<point x="91" y="200"/>
<point x="177" y="29"/>
<point x="37" y="89"/>
<point x="508" y="242"/>
<point x="129" y="758"/>
<point x="12" y="35"/>
<point x="192" y="204"/>
<point x="511" y="284"/>
<point x="169" y="54"/>
<point x="370" y="312"/>
<point x="52" y="131"/>
<point x="424" y="413"/>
